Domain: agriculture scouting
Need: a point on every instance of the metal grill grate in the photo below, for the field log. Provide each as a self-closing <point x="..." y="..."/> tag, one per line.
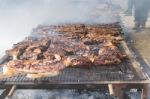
<point x="95" y="75"/>
<point x="121" y="72"/>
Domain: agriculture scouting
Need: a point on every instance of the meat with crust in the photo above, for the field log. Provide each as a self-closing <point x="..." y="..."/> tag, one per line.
<point x="77" y="61"/>
<point x="35" y="51"/>
<point x="109" y="55"/>
<point x="32" y="67"/>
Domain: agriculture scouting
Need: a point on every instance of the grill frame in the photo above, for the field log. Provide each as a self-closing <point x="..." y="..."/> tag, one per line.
<point x="134" y="69"/>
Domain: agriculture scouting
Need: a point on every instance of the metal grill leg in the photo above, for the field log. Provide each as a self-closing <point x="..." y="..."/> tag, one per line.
<point x="8" y="92"/>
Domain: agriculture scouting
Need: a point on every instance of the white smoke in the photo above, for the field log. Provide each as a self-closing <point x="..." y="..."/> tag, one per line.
<point x="18" y="17"/>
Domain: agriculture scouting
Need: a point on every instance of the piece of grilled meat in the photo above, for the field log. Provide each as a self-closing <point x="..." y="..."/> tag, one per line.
<point x="77" y="61"/>
<point x="109" y="55"/>
<point x="35" y="51"/>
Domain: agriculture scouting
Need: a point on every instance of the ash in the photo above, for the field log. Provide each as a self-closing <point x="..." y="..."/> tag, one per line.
<point x="61" y="94"/>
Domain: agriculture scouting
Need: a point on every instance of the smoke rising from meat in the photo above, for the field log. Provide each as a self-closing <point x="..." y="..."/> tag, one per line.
<point x="17" y="18"/>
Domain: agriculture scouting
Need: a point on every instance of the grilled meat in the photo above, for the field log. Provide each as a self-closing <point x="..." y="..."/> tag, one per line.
<point x="18" y="49"/>
<point x="82" y="30"/>
<point x="77" y="61"/>
<point x="109" y="55"/>
<point x="32" y="66"/>
<point x="35" y="51"/>
<point x="71" y="45"/>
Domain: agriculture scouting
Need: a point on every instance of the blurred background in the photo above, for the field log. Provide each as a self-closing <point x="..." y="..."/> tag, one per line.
<point x="19" y="17"/>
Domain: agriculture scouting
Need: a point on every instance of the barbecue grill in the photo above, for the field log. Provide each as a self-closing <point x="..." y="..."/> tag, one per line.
<point x="127" y="72"/>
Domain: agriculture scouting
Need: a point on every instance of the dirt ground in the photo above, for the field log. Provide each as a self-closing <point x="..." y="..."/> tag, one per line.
<point x="141" y="39"/>
<point x="142" y="43"/>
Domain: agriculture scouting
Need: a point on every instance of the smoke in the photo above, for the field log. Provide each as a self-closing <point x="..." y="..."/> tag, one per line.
<point x="18" y="17"/>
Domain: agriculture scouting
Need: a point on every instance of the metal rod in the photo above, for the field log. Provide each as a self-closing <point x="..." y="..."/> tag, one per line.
<point x="111" y="90"/>
<point x="5" y="92"/>
<point x="135" y="65"/>
<point x="11" y="91"/>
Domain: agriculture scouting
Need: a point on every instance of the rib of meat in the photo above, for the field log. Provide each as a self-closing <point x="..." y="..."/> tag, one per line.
<point x="77" y="61"/>
<point x="30" y="66"/>
<point x="66" y="47"/>
<point x="18" y="49"/>
<point x="35" y="51"/>
<point x="42" y="44"/>
<point x="81" y="30"/>
<point x="109" y="55"/>
<point x="102" y="38"/>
